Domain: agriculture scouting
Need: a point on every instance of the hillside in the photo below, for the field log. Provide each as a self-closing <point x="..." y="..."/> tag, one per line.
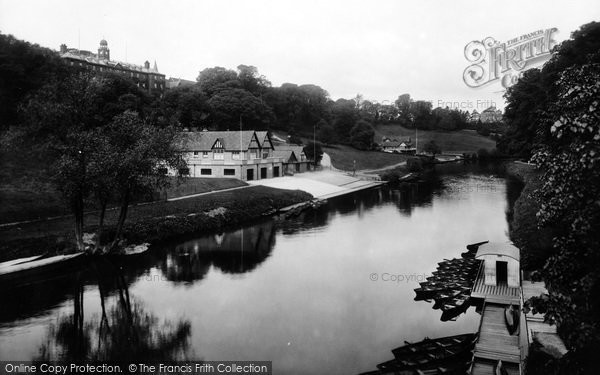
<point x="452" y="141"/>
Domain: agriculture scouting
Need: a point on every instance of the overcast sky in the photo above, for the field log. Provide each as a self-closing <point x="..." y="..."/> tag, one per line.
<point x="380" y="49"/>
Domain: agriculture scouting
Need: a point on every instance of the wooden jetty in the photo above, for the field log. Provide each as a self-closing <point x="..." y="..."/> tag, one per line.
<point x="499" y="346"/>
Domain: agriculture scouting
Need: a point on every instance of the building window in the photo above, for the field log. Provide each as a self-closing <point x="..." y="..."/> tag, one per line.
<point x="196" y="153"/>
<point x="204" y="154"/>
<point x="265" y="154"/>
<point x="235" y="155"/>
<point x="218" y="154"/>
<point x="205" y="171"/>
<point x="229" y="172"/>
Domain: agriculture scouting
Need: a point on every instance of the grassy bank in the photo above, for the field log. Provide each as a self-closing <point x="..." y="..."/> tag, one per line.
<point x="450" y="141"/>
<point x="342" y="157"/>
<point x="26" y="194"/>
<point x="189" y="186"/>
<point x="154" y="221"/>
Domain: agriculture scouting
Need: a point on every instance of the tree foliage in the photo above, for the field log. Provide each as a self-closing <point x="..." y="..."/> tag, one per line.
<point x="24" y="68"/>
<point x="96" y="144"/>
<point x="536" y="89"/>
<point x="361" y="135"/>
<point x="432" y="148"/>
<point x="569" y="199"/>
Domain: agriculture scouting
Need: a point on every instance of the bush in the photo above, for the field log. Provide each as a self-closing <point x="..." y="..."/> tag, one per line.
<point x="414" y="164"/>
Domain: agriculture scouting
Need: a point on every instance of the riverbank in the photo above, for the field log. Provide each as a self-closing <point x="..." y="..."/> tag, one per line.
<point x="152" y="222"/>
<point x="535" y="243"/>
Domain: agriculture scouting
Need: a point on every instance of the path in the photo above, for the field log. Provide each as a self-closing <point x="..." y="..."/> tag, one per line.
<point x="322" y="184"/>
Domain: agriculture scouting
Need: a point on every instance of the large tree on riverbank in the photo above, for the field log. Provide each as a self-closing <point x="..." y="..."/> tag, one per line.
<point x="570" y="200"/>
<point x="98" y="147"/>
<point x="536" y="90"/>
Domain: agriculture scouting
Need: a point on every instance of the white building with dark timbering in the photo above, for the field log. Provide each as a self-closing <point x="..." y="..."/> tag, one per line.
<point x="246" y="155"/>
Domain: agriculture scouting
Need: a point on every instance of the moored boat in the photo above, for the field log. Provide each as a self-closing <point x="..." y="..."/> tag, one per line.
<point x="38" y="268"/>
<point x="511" y="318"/>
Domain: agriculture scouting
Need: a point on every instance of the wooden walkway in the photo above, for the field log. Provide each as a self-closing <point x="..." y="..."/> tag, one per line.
<point x="495" y="343"/>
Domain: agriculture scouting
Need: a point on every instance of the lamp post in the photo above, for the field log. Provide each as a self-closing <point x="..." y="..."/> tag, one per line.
<point x="314" y="146"/>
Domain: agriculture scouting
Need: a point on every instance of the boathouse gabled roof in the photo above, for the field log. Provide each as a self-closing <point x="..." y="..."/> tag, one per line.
<point x="499" y="248"/>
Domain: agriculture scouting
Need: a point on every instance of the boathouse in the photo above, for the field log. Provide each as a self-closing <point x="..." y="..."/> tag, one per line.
<point x="500" y="264"/>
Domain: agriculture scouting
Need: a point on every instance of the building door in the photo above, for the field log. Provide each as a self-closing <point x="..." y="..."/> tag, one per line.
<point x="501" y="272"/>
<point x="249" y="174"/>
<point x="275" y="171"/>
<point x="263" y="173"/>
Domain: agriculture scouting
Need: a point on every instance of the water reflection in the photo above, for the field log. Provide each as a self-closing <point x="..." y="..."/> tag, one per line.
<point x="123" y="330"/>
<point x="233" y="252"/>
<point x="295" y="291"/>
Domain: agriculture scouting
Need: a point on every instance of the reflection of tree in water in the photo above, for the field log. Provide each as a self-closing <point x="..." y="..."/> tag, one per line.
<point x="410" y="195"/>
<point x="237" y="251"/>
<point x="123" y="332"/>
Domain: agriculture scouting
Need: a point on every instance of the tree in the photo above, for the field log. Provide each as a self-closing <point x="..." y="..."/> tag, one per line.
<point x="251" y="80"/>
<point x="185" y="107"/>
<point x="298" y="106"/>
<point x="24" y="68"/>
<point x="314" y="152"/>
<point x="326" y="133"/>
<point x="569" y="202"/>
<point x="213" y="80"/>
<point x="68" y="122"/>
<point x="432" y="148"/>
<point x="138" y="152"/>
<point x="361" y="135"/>
<point x="536" y="89"/>
<point x="345" y="116"/>
<point x="229" y="105"/>
<point x="60" y="122"/>
<point x="403" y="103"/>
<point x="421" y="114"/>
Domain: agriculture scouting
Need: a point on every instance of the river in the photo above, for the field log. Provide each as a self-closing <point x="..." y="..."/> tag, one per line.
<point x="330" y="291"/>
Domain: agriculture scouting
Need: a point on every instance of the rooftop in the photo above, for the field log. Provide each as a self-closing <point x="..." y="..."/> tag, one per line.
<point x="204" y="141"/>
<point x="498" y="248"/>
<point x="93" y="59"/>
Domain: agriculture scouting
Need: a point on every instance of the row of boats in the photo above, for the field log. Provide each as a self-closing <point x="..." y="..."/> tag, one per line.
<point x="451" y="284"/>
<point x="445" y="355"/>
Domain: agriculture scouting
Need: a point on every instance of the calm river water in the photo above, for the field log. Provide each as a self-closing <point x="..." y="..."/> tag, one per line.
<point x="330" y="291"/>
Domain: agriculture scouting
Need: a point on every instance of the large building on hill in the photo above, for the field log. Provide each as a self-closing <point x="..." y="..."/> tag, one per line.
<point x="246" y="155"/>
<point x="145" y="77"/>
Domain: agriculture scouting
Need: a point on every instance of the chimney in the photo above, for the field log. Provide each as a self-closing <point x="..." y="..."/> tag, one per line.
<point x="147" y="65"/>
<point x="63" y="48"/>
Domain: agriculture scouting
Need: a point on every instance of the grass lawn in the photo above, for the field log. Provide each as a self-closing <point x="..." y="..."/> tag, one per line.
<point x="239" y="200"/>
<point x="452" y="141"/>
<point x="342" y="157"/>
<point x="26" y="194"/>
<point x="194" y="185"/>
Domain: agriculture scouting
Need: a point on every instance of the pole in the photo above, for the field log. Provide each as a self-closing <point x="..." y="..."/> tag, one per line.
<point x="241" y="145"/>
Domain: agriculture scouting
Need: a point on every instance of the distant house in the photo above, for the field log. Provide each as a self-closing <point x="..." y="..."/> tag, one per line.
<point x="474" y="116"/>
<point x="245" y="155"/>
<point x="294" y="158"/>
<point x="491" y="114"/>
<point x="397" y="146"/>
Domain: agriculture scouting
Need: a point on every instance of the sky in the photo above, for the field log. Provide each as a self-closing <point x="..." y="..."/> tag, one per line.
<point x="379" y="49"/>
